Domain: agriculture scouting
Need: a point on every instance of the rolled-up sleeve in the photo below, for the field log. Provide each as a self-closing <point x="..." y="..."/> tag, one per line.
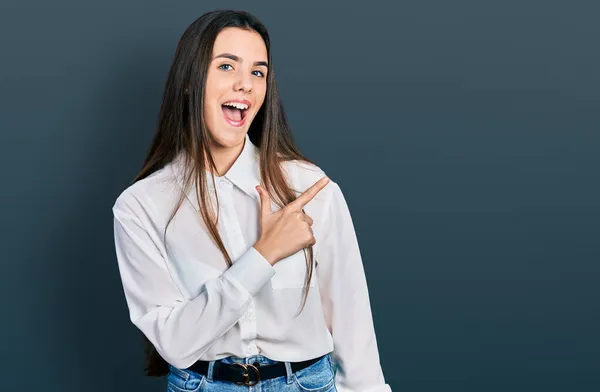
<point x="181" y="330"/>
<point x="346" y="304"/>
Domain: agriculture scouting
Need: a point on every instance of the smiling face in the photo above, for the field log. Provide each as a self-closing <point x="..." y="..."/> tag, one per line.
<point x="236" y="84"/>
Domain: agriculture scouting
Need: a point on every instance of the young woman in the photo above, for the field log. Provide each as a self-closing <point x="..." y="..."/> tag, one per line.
<point x="238" y="256"/>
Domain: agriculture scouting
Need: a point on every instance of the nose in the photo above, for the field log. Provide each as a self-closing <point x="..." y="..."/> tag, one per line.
<point x="243" y="82"/>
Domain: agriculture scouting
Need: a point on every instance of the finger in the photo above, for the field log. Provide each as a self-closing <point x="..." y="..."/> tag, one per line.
<point x="308" y="195"/>
<point x="301" y="216"/>
<point x="313" y="240"/>
<point x="307" y="219"/>
<point x="265" y="202"/>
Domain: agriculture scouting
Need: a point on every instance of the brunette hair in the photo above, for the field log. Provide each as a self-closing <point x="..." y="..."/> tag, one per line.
<point x="181" y="128"/>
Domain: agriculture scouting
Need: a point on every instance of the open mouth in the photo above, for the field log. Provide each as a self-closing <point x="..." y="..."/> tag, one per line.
<point x="235" y="114"/>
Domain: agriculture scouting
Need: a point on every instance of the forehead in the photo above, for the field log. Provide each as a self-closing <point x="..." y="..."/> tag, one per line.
<point x="247" y="44"/>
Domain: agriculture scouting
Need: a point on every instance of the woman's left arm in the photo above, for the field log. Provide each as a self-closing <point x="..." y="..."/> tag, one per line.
<point x="345" y="299"/>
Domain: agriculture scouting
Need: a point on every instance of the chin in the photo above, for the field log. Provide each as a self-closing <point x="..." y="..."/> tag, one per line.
<point x="229" y="138"/>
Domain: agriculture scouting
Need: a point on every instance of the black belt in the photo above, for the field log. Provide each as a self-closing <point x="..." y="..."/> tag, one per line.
<point x="248" y="374"/>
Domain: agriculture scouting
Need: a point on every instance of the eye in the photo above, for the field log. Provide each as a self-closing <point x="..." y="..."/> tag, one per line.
<point x="224" y="65"/>
<point x="262" y="75"/>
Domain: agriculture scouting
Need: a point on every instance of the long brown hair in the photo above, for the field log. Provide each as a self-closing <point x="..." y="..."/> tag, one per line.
<point x="181" y="128"/>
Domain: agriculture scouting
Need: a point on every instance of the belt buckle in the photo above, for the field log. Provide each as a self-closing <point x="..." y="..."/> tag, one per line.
<point x="246" y="374"/>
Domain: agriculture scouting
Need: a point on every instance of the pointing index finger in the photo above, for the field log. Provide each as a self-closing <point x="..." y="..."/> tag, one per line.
<point x="309" y="194"/>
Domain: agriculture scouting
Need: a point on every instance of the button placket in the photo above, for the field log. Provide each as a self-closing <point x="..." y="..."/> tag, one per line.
<point x="233" y="230"/>
<point x="237" y="246"/>
<point x="248" y="329"/>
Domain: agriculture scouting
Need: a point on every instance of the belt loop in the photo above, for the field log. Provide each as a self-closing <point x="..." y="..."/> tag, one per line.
<point x="332" y="363"/>
<point x="209" y="372"/>
<point x="288" y="372"/>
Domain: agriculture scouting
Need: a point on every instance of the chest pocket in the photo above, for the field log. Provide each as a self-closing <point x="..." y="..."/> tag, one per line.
<point x="290" y="272"/>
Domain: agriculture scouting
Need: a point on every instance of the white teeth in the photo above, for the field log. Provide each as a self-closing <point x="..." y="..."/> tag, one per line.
<point x="237" y="105"/>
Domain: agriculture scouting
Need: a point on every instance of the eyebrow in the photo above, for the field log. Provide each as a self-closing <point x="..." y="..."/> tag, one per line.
<point x="238" y="59"/>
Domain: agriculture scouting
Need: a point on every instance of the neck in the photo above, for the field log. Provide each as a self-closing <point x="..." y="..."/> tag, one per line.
<point x="224" y="157"/>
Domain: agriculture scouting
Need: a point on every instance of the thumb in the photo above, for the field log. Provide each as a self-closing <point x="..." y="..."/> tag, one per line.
<point x="265" y="202"/>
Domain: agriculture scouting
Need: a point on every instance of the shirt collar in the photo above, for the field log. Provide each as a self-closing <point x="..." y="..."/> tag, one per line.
<point x="245" y="173"/>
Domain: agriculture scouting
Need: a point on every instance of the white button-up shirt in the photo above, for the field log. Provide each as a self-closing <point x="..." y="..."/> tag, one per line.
<point x="191" y="306"/>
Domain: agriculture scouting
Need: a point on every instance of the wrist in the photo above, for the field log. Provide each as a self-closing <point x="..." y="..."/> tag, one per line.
<point x="265" y="251"/>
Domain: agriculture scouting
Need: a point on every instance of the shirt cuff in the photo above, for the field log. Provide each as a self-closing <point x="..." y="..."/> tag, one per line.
<point x="251" y="270"/>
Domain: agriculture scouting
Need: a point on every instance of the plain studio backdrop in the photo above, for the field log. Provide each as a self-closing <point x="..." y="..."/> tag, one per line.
<point x="464" y="134"/>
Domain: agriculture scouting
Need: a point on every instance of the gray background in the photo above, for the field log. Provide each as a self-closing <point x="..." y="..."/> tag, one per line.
<point x="463" y="133"/>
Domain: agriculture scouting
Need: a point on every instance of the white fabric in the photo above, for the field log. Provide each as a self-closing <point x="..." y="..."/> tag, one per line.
<point x="183" y="297"/>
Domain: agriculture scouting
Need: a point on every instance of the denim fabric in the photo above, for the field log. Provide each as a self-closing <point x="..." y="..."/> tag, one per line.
<point x="318" y="377"/>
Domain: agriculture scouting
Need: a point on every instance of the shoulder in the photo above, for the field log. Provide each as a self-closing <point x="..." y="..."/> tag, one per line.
<point x="303" y="175"/>
<point x="148" y="195"/>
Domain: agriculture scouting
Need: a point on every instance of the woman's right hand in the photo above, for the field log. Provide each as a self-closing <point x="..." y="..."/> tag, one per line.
<point x="284" y="232"/>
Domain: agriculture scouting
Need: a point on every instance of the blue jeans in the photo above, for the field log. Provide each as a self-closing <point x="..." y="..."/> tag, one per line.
<point x="318" y="377"/>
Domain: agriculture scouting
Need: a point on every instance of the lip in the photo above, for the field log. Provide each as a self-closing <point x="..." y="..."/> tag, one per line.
<point x="243" y="120"/>
<point x="243" y="101"/>
<point x="234" y="123"/>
